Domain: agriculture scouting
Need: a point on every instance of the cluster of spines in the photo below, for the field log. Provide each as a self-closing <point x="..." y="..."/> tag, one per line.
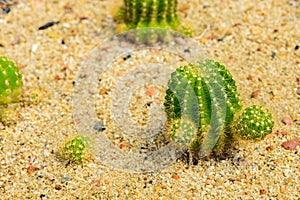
<point x="151" y="13"/>
<point x="255" y="122"/>
<point x="10" y="81"/>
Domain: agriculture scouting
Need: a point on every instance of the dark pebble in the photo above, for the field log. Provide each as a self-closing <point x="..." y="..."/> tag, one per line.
<point x="273" y="54"/>
<point x="58" y="187"/>
<point x="5" y="10"/>
<point x="296" y="47"/>
<point x="99" y="126"/>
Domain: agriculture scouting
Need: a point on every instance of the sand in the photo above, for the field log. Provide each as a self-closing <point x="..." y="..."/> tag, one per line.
<point x="258" y="41"/>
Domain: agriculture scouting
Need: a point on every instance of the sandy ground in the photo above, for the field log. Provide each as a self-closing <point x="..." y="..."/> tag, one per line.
<point x="257" y="40"/>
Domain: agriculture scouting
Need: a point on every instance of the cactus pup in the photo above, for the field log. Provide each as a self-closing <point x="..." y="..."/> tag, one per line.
<point x="255" y="122"/>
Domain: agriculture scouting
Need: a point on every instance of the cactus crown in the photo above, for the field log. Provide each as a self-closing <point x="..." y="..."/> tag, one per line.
<point x="150" y="13"/>
<point x="10" y="81"/>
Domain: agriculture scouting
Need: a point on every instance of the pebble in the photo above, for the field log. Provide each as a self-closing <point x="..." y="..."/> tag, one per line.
<point x="58" y="187"/>
<point x="269" y="148"/>
<point x="255" y="94"/>
<point x="31" y="169"/>
<point x="262" y="191"/>
<point x="180" y="41"/>
<point x="150" y="91"/>
<point x="283" y="133"/>
<point x="96" y="182"/>
<point x="65" y="178"/>
<point x="99" y="126"/>
<point x="291" y="144"/>
<point x="287" y="121"/>
<point x="175" y="176"/>
<point x="298" y="91"/>
<point x="5" y="10"/>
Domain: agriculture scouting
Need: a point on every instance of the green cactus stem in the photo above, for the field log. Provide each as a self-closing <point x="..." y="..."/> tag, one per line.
<point x="150" y="13"/>
<point x="10" y="82"/>
<point x="203" y="87"/>
<point x="194" y="117"/>
<point x="255" y="122"/>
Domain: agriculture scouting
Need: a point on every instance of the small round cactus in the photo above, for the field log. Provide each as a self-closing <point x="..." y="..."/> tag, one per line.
<point x="76" y="149"/>
<point x="10" y="81"/>
<point x="255" y="122"/>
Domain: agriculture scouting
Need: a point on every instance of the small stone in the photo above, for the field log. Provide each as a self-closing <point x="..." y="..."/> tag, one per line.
<point x="58" y="187"/>
<point x="291" y="144"/>
<point x="282" y="189"/>
<point x="65" y="178"/>
<point x="31" y="169"/>
<point x="250" y="78"/>
<point x="283" y="133"/>
<point x="175" y="176"/>
<point x="269" y="148"/>
<point x="298" y="80"/>
<point x="99" y="126"/>
<point x="287" y="121"/>
<point x="150" y="91"/>
<point x="298" y="91"/>
<point x="96" y="182"/>
<point x="180" y="41"/>
<point x="262" y="191"/>
<point x="50" y="177"/>
<point x="255" y="94"/>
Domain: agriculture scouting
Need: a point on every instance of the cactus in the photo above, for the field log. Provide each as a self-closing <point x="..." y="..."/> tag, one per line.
<point x="190" y="103"/>
<point x="10" y="82"/>
<point x="255" y="122"/>
<point x="75" y="150"/>
<point x="190" y="76"/>
<point x="150" y="13"/>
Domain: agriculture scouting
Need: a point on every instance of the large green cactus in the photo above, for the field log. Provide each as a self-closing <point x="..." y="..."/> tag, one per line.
<point x="150" y="13"/>
<point x="10" y="81"/>
<point x="177" y="99"/>
<point x="190" y="104"/>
